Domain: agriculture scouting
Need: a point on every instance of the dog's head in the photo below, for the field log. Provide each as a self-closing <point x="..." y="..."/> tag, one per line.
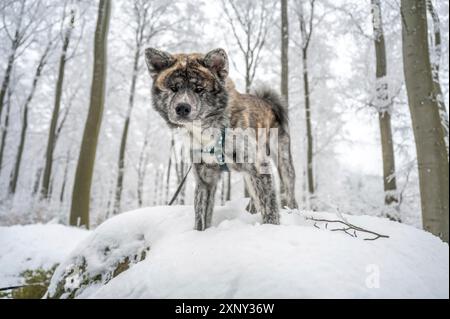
<point x="188" y="87"/>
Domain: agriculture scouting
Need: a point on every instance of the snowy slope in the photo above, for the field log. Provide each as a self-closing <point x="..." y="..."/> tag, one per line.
<point x="240" y="258"/>
<point x="34" y="246"/>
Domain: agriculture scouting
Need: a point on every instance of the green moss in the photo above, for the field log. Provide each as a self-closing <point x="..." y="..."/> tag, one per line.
<point x="36" y="282"/>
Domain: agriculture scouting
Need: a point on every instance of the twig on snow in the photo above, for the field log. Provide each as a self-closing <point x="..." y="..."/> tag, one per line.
<point x="347" y="228"/>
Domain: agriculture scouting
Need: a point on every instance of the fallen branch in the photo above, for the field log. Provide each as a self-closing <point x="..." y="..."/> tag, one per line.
<point x="347" y="228"/>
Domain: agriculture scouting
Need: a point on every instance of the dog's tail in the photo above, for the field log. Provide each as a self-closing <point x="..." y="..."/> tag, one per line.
<point x="279" y="107"/>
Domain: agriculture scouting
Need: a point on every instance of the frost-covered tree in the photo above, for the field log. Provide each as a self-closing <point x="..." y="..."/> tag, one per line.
<point x="25" y="111"/>
<point x="68" y="20"/>
<point x="250" y="22"/>
<point x="21" y="21"/>
<point x="147" y="21"/>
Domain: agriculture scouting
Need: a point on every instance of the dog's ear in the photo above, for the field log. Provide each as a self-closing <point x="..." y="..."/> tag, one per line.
<point x="217" y="61"/>
<point x="157" y="60"/>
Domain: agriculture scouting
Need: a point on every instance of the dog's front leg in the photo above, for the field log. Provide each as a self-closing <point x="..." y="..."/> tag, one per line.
<point x="207" y="178"/>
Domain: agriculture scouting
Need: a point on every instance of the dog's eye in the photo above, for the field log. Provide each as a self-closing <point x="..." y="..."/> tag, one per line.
<point x="198" y="89"/>
<point x="174" y="89"/>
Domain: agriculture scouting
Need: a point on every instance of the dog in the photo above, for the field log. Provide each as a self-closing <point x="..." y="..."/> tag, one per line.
<point x="194" y="87"/>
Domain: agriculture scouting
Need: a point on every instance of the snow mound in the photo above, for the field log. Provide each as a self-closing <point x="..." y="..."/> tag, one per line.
<point x="154" y="253"/>
<point x="32" y="247"/>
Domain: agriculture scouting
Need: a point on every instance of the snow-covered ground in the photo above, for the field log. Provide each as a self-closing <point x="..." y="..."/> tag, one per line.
<point x="34" y="246"/>
<point x="237" y="258"/>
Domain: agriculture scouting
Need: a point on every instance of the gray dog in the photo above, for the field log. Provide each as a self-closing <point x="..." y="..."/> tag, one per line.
<point x="195" y="88"/>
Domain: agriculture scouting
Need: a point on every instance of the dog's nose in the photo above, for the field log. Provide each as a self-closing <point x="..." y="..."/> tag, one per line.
<point x="183" y="109"/>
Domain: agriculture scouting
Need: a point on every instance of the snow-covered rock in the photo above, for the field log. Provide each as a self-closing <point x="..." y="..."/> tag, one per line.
<point x="154" y="253"/>
<point x="30" y="247"/>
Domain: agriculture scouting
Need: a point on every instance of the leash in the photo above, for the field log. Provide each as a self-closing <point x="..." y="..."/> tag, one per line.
<point x="218" y="150"/>
<point x="174" y="197"/>
<point x="22" y="286"/>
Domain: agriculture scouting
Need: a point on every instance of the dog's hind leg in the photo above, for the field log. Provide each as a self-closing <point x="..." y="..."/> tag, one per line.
<point x="262" y="191"/>
<point x="251" y="208"/>
<point x="205" y="190"/>
<point x="286" y="171"/>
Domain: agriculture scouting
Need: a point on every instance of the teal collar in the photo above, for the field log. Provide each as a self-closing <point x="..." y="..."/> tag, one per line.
<point x="218" y="150"/>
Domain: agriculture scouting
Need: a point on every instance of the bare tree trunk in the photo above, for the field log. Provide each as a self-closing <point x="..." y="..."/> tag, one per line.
<point x="64" y="181"/>
<point x="140" y="191"/>
<point x="55" y="115"/>
<point x="123" y="143"/>
<point x="306" y="38"/>
<point x="228" y="194"/>
<point x="309" y="136"/>
<point x="4" y="89"/>
<point x="436" y="48"/>
<point x="37" y="181"/>
<point x="4" y="129"/>
<point x="222" y="191"/>
<point x="8" y="72"/>
<point x="284" y="74"/>
<point x="180" y="171"/>
<point x="184" y="168"/>
<point x="383" y="104"/>
<point x="428" y="132"/>
<point x="18" y="161"/>
<point x="142" y="170"/>
<point x="23" y="132"/>
<point x="79" y="212"/>
<point x="169" y="168"/>
<point x="63" y="186"/>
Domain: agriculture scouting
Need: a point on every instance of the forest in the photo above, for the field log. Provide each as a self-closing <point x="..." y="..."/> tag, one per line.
<point x="365" y="82"/>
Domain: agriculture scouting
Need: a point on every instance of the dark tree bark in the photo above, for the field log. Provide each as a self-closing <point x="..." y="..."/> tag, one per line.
<point x="7" y="78"/>
<point x="64" y="182"/>
<point x="428" y="132"/>
<point x="4" y="129"/>
<point x="79" y="212"/>
<point x="436" y="50"/>
<point x="37" y="181"/>
<point x="228" y="187"/>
